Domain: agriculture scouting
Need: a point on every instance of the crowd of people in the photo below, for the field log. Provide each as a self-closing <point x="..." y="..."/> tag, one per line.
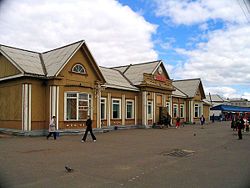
<point x="240" y="123"/>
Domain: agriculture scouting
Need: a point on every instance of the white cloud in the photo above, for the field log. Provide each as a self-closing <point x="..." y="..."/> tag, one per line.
<point x="195" y="12"/>
<point x="224" y="59"/>
<point x="114" y="33"/>
<point x="226" y="92"/>
<point x="246" y="95"/>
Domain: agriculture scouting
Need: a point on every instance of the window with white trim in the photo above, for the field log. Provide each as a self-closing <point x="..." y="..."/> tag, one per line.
<point x="197" y="110"/>
<point x="116" y="108"/>
<point x="129" y="109"/>
<point x="150" y="109"/>
<point x="78" y="105"/>
<point x="175" y="110"/>
<point x="182" y="111"/>
<point x="103" y="108"/>
<point x="78" y="68"/>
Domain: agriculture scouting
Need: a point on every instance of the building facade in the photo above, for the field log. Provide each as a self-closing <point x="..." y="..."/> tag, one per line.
<point x="68" y="83"/>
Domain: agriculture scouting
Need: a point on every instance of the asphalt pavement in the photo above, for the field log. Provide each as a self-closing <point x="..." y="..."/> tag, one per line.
<point x="190" y="156"/>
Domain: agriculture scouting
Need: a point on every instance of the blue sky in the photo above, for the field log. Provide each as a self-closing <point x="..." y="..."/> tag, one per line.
<point x="207" y="39"/>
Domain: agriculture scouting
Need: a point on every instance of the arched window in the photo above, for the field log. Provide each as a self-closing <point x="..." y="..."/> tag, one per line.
<point x="78" y="68"/>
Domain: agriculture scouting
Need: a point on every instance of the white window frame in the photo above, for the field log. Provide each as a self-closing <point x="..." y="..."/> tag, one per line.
<point x="77" y="104"/>
<point x="150" y="103"/>
<point x="175" y="106"/>
<point x="197" y="105"/>
<point x="78" y="72"/>
<point x="120" y="107"/>
<point x="182" y="110"/>
<point x="133" y="109"/>
<point x="105" y="106"/>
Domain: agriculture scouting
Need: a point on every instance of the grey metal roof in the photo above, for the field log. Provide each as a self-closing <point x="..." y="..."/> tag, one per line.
<point x="135" y="72"/>
<point x="55" y="60"/>
<point x="189" y="87"/>
<point x="116" y="79"/>
<point x="215" y="98"/>
<point x="28" y="61"/>
<point x="179" y="93"/>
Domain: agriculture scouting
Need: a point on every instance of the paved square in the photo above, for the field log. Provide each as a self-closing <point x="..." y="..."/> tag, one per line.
<point x="130" y="158"/>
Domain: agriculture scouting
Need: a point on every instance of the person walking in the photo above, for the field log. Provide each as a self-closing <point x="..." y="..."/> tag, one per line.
<point x="213" y="118"/>
<point x="88" y="129"/>
<point x="177" y="122"/>
<point x="240" y="126"/>
<point x="202" y="120"/>
<point x="52" y="128"/>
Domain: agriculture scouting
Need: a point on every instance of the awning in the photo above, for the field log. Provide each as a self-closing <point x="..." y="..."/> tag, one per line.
<point x="229" y="108"/>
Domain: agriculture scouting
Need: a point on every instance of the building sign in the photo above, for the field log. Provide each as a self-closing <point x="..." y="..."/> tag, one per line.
<point x="160" y="78"/>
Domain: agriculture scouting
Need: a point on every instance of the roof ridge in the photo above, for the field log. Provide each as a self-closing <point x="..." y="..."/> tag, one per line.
<point x="136" y="64"/>
<point x="19" y="49"/>
<point x="187" y="79"/>
<point x="181" y="91"/>
<point x="126" y="69"/>
<point x="63" y="46"/>
<point x="43" y="65"/>
<point x="125" y="77"/>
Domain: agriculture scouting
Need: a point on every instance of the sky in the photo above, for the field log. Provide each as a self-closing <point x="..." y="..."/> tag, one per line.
<point x="207" y="39"/>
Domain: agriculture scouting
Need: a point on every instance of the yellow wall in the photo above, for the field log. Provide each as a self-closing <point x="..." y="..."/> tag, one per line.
<point x="11" y="105"/>
<point x="7" y="69"/>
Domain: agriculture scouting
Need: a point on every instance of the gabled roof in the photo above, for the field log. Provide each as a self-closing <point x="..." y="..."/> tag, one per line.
<point x="189" y="86"/>
<point x="56" y="59"/>
<point x="115" y="79"/>
<point x="24" y="60"/>
<point x="178" y="93"/>
<point x="134" y="72"/>
<point x="47" y="64"/>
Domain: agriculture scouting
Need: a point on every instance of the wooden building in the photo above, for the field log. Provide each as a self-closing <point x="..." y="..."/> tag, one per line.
<point x="68" y="83"/>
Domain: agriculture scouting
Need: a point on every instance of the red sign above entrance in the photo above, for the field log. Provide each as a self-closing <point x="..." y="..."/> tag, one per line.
<point x="160" y="78"/>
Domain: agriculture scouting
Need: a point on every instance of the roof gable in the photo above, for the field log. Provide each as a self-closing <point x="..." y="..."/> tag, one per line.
<point x="190" y="87"/>
<point x="114" y="78"/>
<point x="134" y="72"/>
<point x="24" y="60"/>
<point x="56" y="59"/>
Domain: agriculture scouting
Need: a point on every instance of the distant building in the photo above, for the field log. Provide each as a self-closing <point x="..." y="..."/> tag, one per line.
<point x="240" y="102"/>
<point x="215" y="100"/>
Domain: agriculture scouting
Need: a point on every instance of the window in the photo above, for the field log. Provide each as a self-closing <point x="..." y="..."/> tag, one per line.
<point x="197" y="110"/>
<point x="182" y="111"/>
<point x="78" y="105"/>
<point x="78" y="68"/>
<point x="150" y="109"/>
<point x="103" y="108"/>
<point x="129" y="109"/>
<point x="175" y="110"/>
<point x="168" y="107"/>
<point x="116" y="108"/>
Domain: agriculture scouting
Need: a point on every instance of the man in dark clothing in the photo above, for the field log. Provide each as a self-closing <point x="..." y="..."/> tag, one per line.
<point x="88" y="129"/>
<point x="240" y="126"/>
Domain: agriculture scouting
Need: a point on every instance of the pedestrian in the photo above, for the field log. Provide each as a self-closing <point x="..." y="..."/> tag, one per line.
<point x="202" y="120"/>
<point x="88" y="129"/>
<point x="240" y="126"/>
<point x="169" y="120"/>
<point x="213" y="118"/>
<point x="177" y="122"/>
<point x="52" y="128"/>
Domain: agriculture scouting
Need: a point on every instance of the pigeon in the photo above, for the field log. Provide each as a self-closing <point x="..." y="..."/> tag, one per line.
<point x="194" y="134"/>
<point x="68" y="169"/>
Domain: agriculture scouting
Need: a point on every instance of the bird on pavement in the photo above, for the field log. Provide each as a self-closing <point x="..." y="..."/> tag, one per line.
<point x="68" y="169"/>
